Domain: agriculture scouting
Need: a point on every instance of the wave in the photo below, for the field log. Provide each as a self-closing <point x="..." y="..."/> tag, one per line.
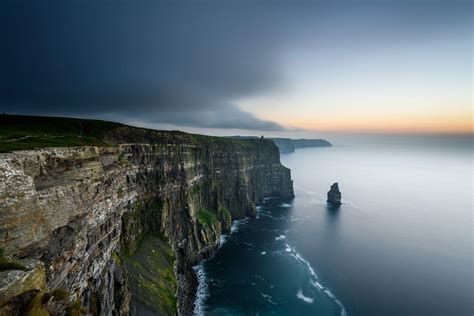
<point x="236" y="224"/>
<point x="314" y="279"/>
<point x="265" y="215"/>
<point x="269" y="198"/>
<point x="281" y="237"/>
<point x="201" y="292"/>
<point x="268" y="298"/>
<point x="223" y="239"/>
<point x="301" y="296"/>
<point x="284" y="205"/>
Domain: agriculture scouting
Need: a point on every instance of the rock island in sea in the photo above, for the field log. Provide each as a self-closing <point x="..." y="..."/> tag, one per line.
<point x="334" y="195"/>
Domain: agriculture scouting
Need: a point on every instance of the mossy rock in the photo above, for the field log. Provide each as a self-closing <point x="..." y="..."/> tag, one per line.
<point x="207" y="219"/>
<point x="9" y="264"/>
<point x="225" y="218"/>
<point x="151" y="276"/>
<point x="15" y="283"/>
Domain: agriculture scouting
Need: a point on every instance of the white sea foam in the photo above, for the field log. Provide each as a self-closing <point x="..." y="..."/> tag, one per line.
<point x="315" y="279"/>
<point x="237" y="224"/>
<point x="263" y="253"/>
<point x="301" y="296"/>
<point x="266" y="215"/>
<point x="201" y="292"/>
<point x="269" y="198"/>
<point x="284" y="205"/>
<point x="281" y="237"/>
<point x="268" y="298"/>
<point x="223" y="239"/>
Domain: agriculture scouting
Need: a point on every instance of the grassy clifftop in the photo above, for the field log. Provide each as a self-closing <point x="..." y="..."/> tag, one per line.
<point x="19" y="132"/>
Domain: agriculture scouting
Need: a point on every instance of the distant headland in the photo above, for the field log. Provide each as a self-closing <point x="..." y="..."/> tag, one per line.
<point x="288" y="145"/>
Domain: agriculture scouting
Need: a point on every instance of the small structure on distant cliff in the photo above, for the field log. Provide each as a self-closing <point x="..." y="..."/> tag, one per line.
<point x="334" y="195"/>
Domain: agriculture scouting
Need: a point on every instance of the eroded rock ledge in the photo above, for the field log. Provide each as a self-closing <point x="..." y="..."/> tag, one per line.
<point x="84" y="218"/>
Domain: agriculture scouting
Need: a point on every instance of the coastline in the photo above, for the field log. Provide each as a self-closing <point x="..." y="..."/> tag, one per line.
<point x="306" y="293"/>
<point x="187" y="290"/>
<point x="194" y="280"/>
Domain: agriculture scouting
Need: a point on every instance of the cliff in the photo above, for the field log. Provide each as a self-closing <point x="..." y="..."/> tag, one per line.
<point x="288" y="145"/>
<point x="285" y="145"/>
<point x="115" y="227"/>
<point x="304" y="143"/>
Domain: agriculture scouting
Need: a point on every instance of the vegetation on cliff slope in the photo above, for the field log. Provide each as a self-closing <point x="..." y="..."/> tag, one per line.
<point x="225" y="217"/>
<point x="19" y="132"/>
<point x="8" y="264"/>
<point x="207" y="219"/>
<point x="151" y="277"/>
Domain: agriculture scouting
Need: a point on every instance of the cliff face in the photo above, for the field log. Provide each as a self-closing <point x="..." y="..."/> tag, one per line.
<point x="285" y="145"/>
<point x="79" y="218"/>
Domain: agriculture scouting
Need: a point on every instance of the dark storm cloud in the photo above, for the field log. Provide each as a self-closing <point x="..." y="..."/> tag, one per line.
<point x="188" y="63"/>
<point x="158" y="62"/>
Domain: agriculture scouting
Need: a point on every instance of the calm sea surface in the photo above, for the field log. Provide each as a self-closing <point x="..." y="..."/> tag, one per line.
<point x="401" y="243"/>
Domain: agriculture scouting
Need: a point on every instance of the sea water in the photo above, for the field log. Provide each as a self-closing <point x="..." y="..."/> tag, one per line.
<point x="400" y="244"/>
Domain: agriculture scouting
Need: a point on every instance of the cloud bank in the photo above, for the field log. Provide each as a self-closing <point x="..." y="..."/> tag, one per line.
<point x="157" y="62"/>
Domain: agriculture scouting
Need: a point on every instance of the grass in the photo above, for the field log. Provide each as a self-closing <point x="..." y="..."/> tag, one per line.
<point x="8" y="264"/>
<point x="206" y="218"/>
<point x="60" y="294"/>
<point x="224" y="216"/>
<point x="20" y="132"/>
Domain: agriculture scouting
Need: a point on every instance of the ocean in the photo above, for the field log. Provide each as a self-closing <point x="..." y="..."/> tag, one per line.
<point x="400" y="244"/>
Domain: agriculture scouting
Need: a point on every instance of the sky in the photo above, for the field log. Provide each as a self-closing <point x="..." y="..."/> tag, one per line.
<point x="245" y="67"/>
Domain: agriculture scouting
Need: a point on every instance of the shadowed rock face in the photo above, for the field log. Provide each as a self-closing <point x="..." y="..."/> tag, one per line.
<point x="80" y="212"/>
<point x="334" y="195"/>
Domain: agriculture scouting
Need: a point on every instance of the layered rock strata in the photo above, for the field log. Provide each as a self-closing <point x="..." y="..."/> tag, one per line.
<point x="77" y="217"/>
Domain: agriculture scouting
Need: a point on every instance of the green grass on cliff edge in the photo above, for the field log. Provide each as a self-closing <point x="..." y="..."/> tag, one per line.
<point x="21" y="132"/>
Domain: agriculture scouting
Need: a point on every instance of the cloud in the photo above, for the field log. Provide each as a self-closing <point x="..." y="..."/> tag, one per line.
<point x="189" y="63"/>
<point x="158" y="62"/>
<point x="230" y="117"/>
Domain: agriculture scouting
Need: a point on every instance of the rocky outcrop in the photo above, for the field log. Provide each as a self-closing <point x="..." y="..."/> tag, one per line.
<point x="83" y="214"/>
<point x="334" y="195"/>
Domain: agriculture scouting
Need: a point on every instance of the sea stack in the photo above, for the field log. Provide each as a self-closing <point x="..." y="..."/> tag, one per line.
<point x="334" y="195"/>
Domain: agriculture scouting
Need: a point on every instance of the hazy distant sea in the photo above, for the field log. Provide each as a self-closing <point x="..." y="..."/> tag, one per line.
<point x="401" y="244"/>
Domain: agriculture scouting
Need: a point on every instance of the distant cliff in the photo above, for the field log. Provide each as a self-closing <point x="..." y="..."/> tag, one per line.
<point x="303" y="143"/>
<point x="114" y="228"/>
<point x="285" y="145"/>
<point x="288" y="145"/>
